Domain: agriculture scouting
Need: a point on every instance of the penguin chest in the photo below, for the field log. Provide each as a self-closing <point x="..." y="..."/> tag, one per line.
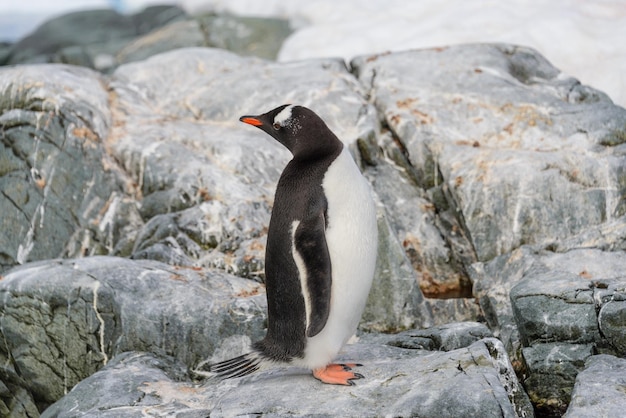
<point x="352" y="240"/>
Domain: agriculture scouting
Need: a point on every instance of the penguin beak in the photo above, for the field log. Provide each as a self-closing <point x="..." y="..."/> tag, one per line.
<point x="251" y="120"/>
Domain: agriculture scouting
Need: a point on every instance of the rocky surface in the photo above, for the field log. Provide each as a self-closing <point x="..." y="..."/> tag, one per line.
<point x="64" y="320"/>
<point x="54" y="124"/>
<point x="563" y="308"/>
<point x="500" y="188"/>
<point x="105" y="39"/>
<point x="87" y="37"/>
<point x="599" y="389"/>
<point x="476" y="380"/>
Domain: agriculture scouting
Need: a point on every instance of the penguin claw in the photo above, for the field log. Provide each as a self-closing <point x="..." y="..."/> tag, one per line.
<point x="337" y="374"/>
<point x="349" y="366"/>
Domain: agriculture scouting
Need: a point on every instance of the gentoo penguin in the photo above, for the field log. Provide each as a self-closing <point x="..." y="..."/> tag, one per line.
<point x="320" y="255"/>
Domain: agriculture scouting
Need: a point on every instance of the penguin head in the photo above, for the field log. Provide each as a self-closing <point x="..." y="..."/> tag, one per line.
<point x="298" y="128"/>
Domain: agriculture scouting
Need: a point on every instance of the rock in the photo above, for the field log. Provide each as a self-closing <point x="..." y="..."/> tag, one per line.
<point x="611" y="295"/>
<point x="63" y="320"/>
<point x="447" y="337"/>
<point x="555" y="317"/>
<point x="551" y="370"/>
<point x="476" y="380"/>
<point x="261" y="37"/>
<point x="153" y="17"/>
<point x="395" y="302"/>
<point x="492" y="169"/>
<point x="5" y="51"/>
<point x="77" y="28"/>
<point x="499" y="120"/>
<point x="89" y="38"/>
<point x="179" y="34"/>
<point x="207" y="180"/>
<point x="414" y="223"/>
<point x="105" y="39"/>
<point x="599" y="389"/>
<point x="125" y="382"/>
<point x="455" y="310"/>
<point x="554" y="307"/>
<point x="54" y="122"/>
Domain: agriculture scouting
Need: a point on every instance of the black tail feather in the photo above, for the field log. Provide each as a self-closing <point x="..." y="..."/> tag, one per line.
<point x="236" y="367"/>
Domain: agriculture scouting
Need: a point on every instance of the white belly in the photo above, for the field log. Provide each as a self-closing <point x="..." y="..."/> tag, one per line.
<point x="352" y="239"/>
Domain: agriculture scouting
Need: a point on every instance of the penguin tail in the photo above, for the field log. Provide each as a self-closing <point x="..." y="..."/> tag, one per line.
<point x="228" y="369"/>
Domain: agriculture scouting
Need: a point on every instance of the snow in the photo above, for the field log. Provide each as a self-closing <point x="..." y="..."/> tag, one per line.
<point x="583" y="38"/>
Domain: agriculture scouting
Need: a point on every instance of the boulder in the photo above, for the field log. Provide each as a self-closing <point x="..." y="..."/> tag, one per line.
<point x="550" y="370"/>
<point x="599" y="389"/>
<point x="64" y="320"/>
<point x="54" y="121"/>
<point x="476" y="380"/>
<point x="261" y="37"/>
<point x="105" y="39"/>
<point x="88" y="38"/>
<point x="563" y="308"/>
<point x="503" y="132"/>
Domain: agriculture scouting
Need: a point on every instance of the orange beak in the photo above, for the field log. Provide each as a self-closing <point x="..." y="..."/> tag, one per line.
<point x="251" y="121"/>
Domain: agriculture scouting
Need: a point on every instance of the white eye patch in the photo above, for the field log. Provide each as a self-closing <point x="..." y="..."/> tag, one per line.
<point x="283" y="117"/>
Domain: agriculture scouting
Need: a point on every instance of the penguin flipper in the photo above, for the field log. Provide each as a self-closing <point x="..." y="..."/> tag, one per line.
<point x="310" y="244"/>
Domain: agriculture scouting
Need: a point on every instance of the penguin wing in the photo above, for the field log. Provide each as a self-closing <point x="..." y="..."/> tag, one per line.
<point x="316" y="278"/>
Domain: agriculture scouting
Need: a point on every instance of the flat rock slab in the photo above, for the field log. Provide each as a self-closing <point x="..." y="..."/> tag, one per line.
<point x="472" y="381"/>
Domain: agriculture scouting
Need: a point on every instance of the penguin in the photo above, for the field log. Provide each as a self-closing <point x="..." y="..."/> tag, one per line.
<point x="321" y="252"/>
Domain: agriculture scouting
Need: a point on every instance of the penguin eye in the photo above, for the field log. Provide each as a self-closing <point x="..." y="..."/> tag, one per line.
<point x="276" y="125"/>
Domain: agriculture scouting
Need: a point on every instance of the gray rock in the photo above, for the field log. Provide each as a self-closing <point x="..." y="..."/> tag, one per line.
<point x="77" y="28"/>
<point x="88" y="37"/>
<point x="455" y="310"/>
<point x="551" y="370"/>
<point x="590" y="277"/>
<point x="63" y="320"/>
<point x="261" y="37"/>
<point x="414" y="222"/>
<point x="104" y="39"/>
<point x="499" y="120"/>
<point x="465" y="146"/>
<point x="555" y="317"/>
<point x="5" y="50"/>
<point x="395" y="301"/>
<point x="123" y="383"/>
<point x="599" y="389"/>
<point x="54" y="122"/>
<point x="472" y="381"/>
<point x="555" y="306"/>
<point x="179" y="34"/>
<point x="447" y="337"/>
<point x="210" y="177"/>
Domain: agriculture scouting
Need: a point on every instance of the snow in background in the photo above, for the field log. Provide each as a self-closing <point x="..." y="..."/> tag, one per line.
<point x="583" y="38"/>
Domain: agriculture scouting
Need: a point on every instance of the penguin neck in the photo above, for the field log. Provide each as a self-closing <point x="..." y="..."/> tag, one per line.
<point x="326" y="146"/>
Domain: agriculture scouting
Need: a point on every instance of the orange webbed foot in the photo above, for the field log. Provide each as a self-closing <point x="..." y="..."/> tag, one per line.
<point x="337" y="374"/>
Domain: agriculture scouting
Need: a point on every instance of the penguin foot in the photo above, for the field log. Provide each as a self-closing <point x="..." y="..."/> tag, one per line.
<point x="337" y="374"/>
